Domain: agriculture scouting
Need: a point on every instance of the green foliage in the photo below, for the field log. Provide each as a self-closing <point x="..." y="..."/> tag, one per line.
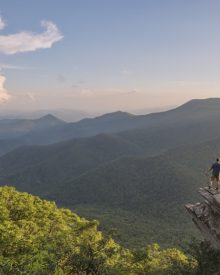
<point x="132" y="229"/>
<point x="155" y="261"/>
<point x="36" y="237"/>
<point x="207" y="259"/>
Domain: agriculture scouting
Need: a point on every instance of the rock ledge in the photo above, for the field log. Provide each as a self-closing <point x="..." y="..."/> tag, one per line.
<point x="206" y="215"/>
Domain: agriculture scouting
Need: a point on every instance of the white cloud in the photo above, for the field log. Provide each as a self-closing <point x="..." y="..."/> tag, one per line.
<point x="28" y="41"/>
<point x="11" y="66"/>
<point x="2" y="24"/>
<point x="4" y="96"/>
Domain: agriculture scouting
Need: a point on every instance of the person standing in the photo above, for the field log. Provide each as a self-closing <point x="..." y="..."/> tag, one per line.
<point x="215" y="168"/>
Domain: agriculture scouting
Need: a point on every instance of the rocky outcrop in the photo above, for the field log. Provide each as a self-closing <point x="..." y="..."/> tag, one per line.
<point x="206" y="215"/>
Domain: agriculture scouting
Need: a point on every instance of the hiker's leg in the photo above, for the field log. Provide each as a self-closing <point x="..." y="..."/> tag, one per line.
<point x="211" y="182"/>
<point x="217" y="183"/>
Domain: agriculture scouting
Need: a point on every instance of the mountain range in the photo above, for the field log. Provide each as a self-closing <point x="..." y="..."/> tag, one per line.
<point x="63" y="114"/>
<point x="153" y="132"/>
<point x="133" y="173"/>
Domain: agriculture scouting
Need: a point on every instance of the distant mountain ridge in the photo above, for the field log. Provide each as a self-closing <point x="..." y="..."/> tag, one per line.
<point x="63" y="114"/>
<point x="13" y="131"/>
<point x="19" y="127"/>
<point x="155" y="132"/>
<point x="194" y="111"/>
<point x="145" y="166"/>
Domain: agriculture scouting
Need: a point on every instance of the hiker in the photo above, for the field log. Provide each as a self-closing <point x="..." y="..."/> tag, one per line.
<point x="215" y="168"/>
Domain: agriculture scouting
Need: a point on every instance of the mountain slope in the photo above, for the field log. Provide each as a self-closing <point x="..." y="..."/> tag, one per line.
<point x="131" y="181"/>
<point x="45" y="167"/>
<point x="150" y="190"/>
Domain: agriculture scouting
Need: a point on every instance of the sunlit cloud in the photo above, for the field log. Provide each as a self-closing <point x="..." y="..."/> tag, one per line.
<point x="2" y="24"/>
<point x="28" y="41"/>
<point x="4" y="96"/>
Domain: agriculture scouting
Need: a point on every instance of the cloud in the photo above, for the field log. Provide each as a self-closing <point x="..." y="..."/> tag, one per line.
<point x="10" y="66"/>
<point x="85" y="92"/>
<point x="4" y="96"/>
<point x="2" y="24"/>
<point x="28" y="41"/>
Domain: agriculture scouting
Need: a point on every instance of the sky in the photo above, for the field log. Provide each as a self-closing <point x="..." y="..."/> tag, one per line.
<point x="107" y="55"/>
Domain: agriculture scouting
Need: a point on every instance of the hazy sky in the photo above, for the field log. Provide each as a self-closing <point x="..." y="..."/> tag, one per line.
<point x="108" y="54"/>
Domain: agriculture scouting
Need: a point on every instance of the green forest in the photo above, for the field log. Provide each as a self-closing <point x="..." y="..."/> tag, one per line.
<point x="37" y="237"/>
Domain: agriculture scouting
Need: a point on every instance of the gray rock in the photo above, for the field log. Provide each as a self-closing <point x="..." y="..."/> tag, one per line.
<point x="206" y="215"/>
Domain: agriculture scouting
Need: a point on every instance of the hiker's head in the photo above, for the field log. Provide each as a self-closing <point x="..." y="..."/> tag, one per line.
<point x="217" y="159"/>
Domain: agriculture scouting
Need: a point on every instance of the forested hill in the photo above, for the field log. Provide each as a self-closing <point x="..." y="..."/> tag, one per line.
<point x="117" y="188"/>
<point x="55" y="163"/>
<point x="39" y="238"/>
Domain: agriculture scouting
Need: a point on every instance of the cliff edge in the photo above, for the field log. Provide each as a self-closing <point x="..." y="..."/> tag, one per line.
<point x="206" y="215"/>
